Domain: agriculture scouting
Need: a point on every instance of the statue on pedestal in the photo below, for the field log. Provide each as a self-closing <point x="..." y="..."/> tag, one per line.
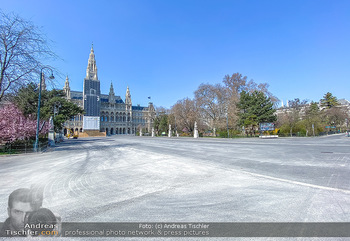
<point x="195" y="130"/>
<point x="169" y="134"/>
<point x="51" y="132"/>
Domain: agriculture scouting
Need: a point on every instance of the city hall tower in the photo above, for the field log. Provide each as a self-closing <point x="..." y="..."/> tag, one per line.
<point x="91" y="94"/>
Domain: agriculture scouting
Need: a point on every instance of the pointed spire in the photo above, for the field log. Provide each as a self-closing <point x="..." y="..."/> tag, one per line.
<point x="43" y="84"/>
<point x="111" y="96"/>
<point x="127" y="91"/>
<point x="128" y="97"/>
<point x="66" y="88"/>
<point x="91" y="70"/>
<point x="282" y="104"/>
<point x="92" y="53"/>
<point x="67" y="81"/>
<point x="111" y="89"/>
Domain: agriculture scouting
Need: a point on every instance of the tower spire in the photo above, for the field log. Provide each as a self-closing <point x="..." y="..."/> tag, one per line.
<point x="111" y="96"/>
<point x="91" y="70"/>
<point x="111" y="89"/>
<point x="128" y="97"/>
<point x="66" y="88"/>
<point x="43" y="84"/>
<point x="128" y="104"/>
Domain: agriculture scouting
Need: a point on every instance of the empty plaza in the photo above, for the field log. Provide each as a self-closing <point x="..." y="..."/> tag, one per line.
<point x="144" y="179"/>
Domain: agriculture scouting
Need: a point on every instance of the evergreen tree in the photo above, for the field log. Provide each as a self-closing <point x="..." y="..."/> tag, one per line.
<point x="27" y="101"/>
<point x="255" y="108"/>
<point x="329" y="100"/>
<point x="312" y="118"/>
<point x="333" y="116"/>
<point x="161" y="123"/>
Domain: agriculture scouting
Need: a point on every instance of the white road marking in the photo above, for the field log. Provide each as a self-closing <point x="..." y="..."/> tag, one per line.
<point x="298" y="183"/>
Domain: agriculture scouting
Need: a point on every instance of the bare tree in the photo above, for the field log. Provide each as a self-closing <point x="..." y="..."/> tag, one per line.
<point x="235" y="84"/>
<point x="22" y="49"/>
<point x="212" y="102"/>
<point x="335" y="116"/>
<point x="294" y="114"/>
<point x="262" y="87"/>
<point x="186" y="113"/>
<point x="161" y="110"/>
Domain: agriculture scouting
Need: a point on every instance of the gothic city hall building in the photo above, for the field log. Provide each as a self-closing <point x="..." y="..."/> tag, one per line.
<point x="105" y="114"/>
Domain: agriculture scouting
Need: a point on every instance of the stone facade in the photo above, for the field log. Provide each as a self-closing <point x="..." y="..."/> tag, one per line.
<point x="115" y="115"/>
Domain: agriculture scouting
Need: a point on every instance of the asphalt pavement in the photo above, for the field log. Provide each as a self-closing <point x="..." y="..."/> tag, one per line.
<point x="145" y="179"/>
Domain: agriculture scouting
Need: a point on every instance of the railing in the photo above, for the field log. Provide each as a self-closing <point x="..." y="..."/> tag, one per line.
<point x="20" y="148"/>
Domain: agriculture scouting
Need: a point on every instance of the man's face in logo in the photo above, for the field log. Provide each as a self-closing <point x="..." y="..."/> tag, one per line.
<point x="17" y="214"/>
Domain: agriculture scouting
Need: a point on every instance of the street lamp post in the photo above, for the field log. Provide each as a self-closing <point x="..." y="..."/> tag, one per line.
<point x="175" y="127"/>
<point x="56" y="109"/>
<point x="38" y="114"/>
<point x="228" y="133"/>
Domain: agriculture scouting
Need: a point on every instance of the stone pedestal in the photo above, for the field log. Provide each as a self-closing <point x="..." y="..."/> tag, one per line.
<point x="51" y="133"/>
<point x="51" y="138"/>
<point x="169" y="134"/>
<point x="195" y="130"/>
<point x="152" y="132"/>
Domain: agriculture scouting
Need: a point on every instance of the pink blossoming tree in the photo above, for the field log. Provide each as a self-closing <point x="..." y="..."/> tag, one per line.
<point x="15" y="126"/>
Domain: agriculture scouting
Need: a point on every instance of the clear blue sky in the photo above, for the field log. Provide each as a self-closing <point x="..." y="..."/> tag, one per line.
<point x="166" y="48"/>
